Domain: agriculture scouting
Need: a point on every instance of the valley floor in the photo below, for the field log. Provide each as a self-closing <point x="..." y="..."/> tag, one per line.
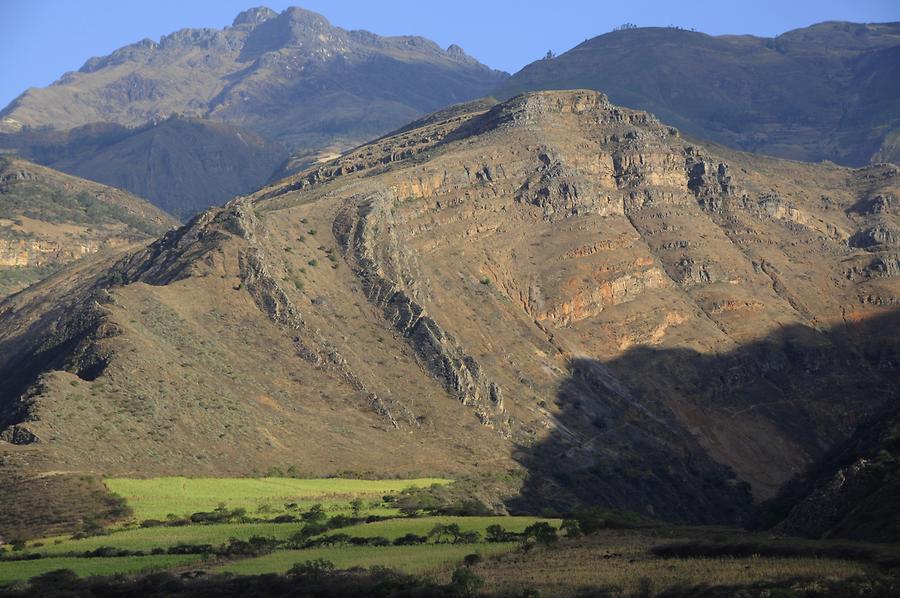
<point x="261" y="528"/>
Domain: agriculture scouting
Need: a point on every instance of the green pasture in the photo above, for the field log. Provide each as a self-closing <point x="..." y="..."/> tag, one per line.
<point x="157" y="498"/>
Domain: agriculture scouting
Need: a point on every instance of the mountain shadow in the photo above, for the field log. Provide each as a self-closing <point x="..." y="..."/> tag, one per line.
<point x="688" y="437"/>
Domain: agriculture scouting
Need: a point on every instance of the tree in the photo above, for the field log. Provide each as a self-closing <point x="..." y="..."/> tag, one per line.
<point x="356" y="506"/>
<point x="572" y="528"/>
<point x="542" y="533"/>
<point x="466" y="582"/>
<point x="549" y="55"/>
<point x="315" y="569"/>
<point x="315" y="514"/>
<point x="496" y="533"/>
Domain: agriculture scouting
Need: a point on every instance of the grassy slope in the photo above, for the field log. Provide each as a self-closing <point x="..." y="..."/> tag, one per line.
<point x="410" y="559"/>
<point x="157" y="497"/>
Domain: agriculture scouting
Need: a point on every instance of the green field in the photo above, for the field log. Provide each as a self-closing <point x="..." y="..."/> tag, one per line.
<point x="164" y="537"/>
<point x="410" y="559"/>
<point x="395" y="528"/>
<point x="158" y="497"/>
<point x="20" y="570"/>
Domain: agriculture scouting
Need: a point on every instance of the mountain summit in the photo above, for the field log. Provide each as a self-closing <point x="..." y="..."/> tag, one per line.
<point x="291" y="77"/>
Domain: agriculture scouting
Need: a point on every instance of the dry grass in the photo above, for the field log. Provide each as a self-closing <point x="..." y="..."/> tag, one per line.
<point x="621" y="563"/>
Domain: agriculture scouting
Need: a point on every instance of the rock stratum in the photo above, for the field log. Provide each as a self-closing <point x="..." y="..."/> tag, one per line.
<point x="553" y="284"/>
<point x="48" y="219"/>
<point x="825" y="92"/>
<point x="291" y="77"/>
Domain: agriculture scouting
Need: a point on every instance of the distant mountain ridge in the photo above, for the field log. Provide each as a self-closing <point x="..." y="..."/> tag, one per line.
<point x="830" y="91"/>
<point x="291" y="77"/>
<point x="183" y="165"/>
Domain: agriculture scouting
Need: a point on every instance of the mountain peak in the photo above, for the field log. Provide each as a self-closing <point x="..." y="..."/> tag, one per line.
<point x="254" y="16"/>
<point x="305" y="18"/>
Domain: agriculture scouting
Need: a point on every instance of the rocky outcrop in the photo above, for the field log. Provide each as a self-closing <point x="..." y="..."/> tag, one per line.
<point x="440" y="354"/>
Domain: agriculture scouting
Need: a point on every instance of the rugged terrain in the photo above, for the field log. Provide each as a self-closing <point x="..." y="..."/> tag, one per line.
<point x="48" y="219"/>
<point x="291" y="77"/>
<point x="553" y="283"/>
<point x="854" y="491"/>
<point x="182" y="165"/>
<point x="826" y="92"/>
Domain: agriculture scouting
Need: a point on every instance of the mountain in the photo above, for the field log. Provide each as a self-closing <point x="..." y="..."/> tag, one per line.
<point x="48" y="219"/>
<point x="182" y="165"/>
<point x="826" y="92"/>
<point x="552" y="285"/>
<point x="290" y="77"/>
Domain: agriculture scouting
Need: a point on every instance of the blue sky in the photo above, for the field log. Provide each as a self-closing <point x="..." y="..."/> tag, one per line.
<point x="42" y="39"/>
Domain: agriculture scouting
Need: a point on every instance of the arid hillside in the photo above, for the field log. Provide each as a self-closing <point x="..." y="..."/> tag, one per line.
<point x="48" y="219"/>
<point x="553" y="284"/>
